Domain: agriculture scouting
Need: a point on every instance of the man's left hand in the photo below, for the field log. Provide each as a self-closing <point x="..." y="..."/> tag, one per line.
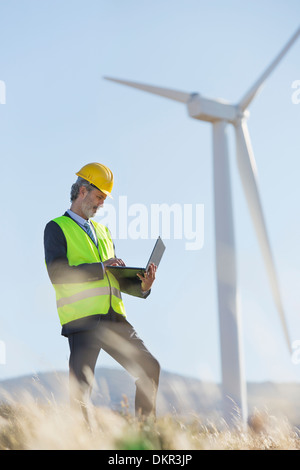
<point x="148" y="278"/>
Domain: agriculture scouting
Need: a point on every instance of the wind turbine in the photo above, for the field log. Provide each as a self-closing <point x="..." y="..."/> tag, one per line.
<point x="220" y="114"/>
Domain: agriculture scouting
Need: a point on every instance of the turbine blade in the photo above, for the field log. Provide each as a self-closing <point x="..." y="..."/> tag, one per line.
<point x="175" y="95"/>
<point x="246" y="100"/>
<point x="248" y="174"/>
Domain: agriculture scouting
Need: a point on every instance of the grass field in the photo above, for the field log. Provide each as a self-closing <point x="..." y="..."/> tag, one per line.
<point x="28" y="425"/>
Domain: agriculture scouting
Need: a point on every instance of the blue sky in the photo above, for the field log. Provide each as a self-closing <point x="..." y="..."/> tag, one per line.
<point x="60" y="114"/>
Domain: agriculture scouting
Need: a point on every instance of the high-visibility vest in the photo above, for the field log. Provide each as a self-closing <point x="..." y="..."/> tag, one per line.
<point x="82" y="299"/>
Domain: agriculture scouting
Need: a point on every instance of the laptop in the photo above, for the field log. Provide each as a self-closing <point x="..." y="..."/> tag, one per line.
<point x="127" y="272"/>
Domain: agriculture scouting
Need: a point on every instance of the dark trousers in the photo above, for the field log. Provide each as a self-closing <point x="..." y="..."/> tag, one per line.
<point x="120" y="341"/>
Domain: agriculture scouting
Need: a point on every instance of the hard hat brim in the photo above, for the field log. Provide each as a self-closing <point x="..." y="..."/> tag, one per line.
<point x="107" y="193"/>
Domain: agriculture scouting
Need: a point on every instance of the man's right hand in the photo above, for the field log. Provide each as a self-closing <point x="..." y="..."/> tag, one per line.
<point x="113" y="262"/>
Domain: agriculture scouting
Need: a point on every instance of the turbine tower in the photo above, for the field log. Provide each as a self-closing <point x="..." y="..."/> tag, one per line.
<point x="220" y="114"/>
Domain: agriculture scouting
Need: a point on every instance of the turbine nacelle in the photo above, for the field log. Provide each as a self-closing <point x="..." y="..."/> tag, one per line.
<point x="212" y="110"/>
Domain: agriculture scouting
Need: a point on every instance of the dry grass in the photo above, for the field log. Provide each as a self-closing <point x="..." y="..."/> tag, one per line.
<point x="28" y="425"/>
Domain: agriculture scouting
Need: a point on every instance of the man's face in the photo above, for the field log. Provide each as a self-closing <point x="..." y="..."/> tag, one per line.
<point x="91" y="202"/>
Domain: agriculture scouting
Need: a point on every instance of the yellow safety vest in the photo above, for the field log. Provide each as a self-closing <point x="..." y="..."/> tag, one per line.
<point x="79" y="300"/>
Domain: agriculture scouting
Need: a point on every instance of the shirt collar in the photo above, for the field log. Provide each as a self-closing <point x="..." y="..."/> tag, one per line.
<point x="77" y="218"/>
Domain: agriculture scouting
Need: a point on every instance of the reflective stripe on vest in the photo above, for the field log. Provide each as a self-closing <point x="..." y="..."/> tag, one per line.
<point x="82" y="299"/>
<point x="88" y="293"/>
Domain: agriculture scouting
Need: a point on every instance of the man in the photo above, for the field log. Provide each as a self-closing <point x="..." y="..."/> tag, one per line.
<point x="88" y="296"/>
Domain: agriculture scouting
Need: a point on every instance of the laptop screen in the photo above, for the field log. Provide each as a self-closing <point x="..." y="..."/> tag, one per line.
<point x="157" y="253"/>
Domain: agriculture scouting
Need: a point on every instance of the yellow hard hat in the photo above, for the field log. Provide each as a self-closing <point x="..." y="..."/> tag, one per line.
<point x="99" y="176"/>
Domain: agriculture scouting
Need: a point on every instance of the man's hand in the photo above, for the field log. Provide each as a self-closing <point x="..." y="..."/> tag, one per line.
<point x="113" y="262"/>
<point x="148" y="278"/>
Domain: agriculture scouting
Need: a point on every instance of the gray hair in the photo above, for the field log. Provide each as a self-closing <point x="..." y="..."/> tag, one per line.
<point x="77" y="185"/>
